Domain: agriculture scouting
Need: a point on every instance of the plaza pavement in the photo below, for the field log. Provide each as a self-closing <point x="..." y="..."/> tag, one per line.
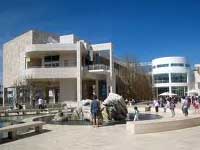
<point x="67" y="137"/>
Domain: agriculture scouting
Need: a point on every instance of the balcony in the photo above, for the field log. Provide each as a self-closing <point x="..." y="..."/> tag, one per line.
<point x="54" y="47"/>
<point x="51" y="72"/>
<point x="97" y="68"/>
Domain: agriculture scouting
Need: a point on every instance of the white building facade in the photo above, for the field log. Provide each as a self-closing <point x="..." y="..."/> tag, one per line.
<point x="171" y="74"/>
<point x="71" y="69"/>
<point x="197" y="78"/>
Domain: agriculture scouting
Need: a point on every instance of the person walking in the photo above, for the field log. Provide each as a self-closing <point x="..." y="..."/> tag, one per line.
<point x="156" y="105"/>
<point x="168" y="104"/>
<point x="95" y="111"/>
<point x="172" y="107"/>
<point x="185" y="107"/>
<point x="164" y="105"/>
<point x="196" y="105"/>
<point x="136" y="114"/>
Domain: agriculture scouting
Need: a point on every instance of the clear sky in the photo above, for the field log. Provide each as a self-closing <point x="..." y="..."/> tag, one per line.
<point x="145" y="29"/>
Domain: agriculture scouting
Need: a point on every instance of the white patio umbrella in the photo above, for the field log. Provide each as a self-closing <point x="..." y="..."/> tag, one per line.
<point x="194" y="91"/>
<point x="167" y="94"/>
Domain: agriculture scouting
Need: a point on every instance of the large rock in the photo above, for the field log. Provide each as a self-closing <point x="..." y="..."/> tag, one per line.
<point x="115" y="107"/>
<point x="112" y="108"/>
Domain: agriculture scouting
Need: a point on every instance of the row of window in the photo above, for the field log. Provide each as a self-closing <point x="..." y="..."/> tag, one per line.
<point x="179" y="90"/>
<point x="175" y="78"/>
<point x="54" y="61"/>
<point x="51" y="61"/>
<point x="172" y="65"/>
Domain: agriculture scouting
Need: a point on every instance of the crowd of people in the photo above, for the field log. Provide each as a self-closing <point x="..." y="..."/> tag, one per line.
<point x="164" y="102"/>
<point x="171" y="102"/>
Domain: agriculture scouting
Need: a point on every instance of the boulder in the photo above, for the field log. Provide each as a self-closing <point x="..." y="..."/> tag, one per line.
<point x="116" y="107"/>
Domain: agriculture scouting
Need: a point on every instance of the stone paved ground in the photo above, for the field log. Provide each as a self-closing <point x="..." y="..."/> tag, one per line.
<point x="66" y="137"/>
<point x="63" y="137"/>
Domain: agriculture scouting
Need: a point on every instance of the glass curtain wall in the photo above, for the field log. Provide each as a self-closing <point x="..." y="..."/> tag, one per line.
<point x="180" y="91"/>
<point x="160" y="90"/>
<point x="161" y="78"/>
<point x="179" y="77"/>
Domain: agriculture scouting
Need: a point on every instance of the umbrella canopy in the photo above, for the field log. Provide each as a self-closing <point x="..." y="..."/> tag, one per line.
<point x="193" y="91"/>
<point x="168" y="94"/>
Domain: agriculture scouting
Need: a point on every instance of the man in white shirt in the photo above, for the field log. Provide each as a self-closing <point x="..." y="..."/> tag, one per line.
<point x="40" y="102"/>
<point x="156" y="105"/>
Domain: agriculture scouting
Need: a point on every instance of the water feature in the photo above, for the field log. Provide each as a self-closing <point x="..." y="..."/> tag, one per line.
<point x="72" y="121"/>
<point x="6" y="121"/>
<point x="143" y="116"/>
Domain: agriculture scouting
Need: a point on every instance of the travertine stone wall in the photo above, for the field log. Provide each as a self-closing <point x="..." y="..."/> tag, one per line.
<point x="44" y="37"/>
<point x="68" y="90"/>
<point x="13" y="58"/>
<point x="14" y="54"/>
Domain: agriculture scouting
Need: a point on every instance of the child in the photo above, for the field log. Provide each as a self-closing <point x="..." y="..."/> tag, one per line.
<point x="136" y="111"/>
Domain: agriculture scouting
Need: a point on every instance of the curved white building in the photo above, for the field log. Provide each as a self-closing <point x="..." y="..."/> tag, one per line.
<point x="171" y="74"/>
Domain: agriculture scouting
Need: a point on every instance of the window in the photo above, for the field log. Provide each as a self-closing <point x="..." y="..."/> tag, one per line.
<point x="177" y="65"/>
<point x="161" y="90"/>
<point x="161" y="78"/>
<point x="154" y="67"/>
<point x="55" y="58"/>
<point x="179" y="90"/>
<point x="179" y="77"/>
<point x="162" y="65"/>
<point x="187" y="65"/>
<point x="47" y="59"/>
<point x="51" y="61"/>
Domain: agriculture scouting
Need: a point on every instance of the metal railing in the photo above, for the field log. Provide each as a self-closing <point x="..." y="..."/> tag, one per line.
<point x="96" y="67"/>
<point x="59" y="66"/>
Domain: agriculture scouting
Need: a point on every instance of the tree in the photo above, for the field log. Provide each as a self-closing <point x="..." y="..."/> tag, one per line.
<point x="133" y="81"/>
<point x="27" y="90"/>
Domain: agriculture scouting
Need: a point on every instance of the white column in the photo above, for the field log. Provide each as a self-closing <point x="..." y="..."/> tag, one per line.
<point x="170" y="89"/>
<point x="79" y="71"/>
<point x="25" y="62"/>
<point x="112" y="89"/>
<point x="170" y="81"/>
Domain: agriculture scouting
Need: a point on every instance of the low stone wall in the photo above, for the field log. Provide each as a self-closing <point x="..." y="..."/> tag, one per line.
<point x="142" y="127"/>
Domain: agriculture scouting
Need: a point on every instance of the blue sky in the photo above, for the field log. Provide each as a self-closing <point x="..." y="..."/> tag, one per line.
<point x="145" y="29"/>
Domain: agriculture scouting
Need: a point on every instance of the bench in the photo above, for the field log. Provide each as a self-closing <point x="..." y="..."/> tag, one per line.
<point x="12" y="129"/>
<point x="152" y="126"/>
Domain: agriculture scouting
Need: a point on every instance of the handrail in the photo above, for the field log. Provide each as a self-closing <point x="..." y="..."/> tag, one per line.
<point x="96" y="67"/>
<point x="35" y="67"/>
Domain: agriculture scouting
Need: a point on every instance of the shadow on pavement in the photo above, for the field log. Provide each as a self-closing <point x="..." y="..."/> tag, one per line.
<point x="22" y="136"/>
